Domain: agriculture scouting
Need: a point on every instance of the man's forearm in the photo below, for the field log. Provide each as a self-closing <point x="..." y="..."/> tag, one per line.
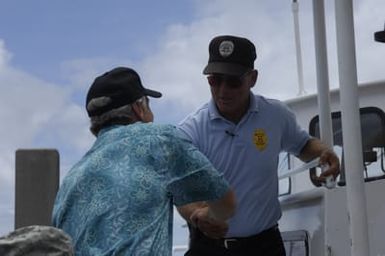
<point x="220" y="210"/>
<point x="313" y="148"/>
<point x="224" y="208"/>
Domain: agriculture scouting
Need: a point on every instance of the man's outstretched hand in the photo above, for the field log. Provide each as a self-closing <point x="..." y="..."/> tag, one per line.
<point x="209" y="226"/>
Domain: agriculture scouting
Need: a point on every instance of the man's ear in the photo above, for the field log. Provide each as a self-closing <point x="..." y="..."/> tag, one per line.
<point x="254" y="78"/>
<point x="138" y="109"/>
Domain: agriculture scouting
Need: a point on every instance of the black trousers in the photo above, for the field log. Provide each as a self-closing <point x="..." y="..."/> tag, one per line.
<point x="266" y="243"/>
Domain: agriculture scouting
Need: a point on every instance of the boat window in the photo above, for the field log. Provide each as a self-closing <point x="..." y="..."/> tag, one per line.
<point x="283" y="167"/>
<point x="373" y="142"/>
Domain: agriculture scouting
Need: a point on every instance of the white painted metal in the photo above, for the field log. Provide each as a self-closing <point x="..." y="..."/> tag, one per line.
<point x="305" y="108"/>
<point x="324" y="215"/>
<point x="337" y="219"/>
<point x="305" y="211"/>
<point x="304" y="167"/>
<point x="301" y="88"/>
<point x="351" y="128"/>
<point x="322" y="72"/>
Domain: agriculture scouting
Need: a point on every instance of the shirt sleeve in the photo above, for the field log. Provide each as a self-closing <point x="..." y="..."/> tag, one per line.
<point x="295" y="137"/>
<point x="193" y="177"/>
<point x="188" y="129"/>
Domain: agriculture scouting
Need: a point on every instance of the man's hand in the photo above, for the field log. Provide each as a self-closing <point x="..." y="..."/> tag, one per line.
<point x="315" y="148"/>
<point x="212" y="228"/>
<point x="330" y="159"/>
<point x="210" y="216"/>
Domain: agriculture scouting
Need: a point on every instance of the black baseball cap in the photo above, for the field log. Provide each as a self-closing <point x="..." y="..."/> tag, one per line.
<point x="115" y="88"/>
<point x="230" y="55"/>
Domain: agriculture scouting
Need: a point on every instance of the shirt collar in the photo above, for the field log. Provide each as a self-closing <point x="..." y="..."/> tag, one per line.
<point x="109" y="128"/>
<point x="214" y="113"/>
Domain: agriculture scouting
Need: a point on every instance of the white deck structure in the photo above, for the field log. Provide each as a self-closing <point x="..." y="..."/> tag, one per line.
<point x="321" y="214"/>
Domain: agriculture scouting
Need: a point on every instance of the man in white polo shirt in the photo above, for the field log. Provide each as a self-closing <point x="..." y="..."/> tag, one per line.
<point x="242" y="134"/>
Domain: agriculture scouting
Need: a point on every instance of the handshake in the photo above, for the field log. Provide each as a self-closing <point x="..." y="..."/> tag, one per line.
<point x="210" y="217"/>
<point x="203" y="219"/>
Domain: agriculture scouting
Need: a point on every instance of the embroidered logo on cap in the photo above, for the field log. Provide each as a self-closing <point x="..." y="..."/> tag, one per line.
<point x="260" y="139"/>
<point x="226" y="48"/>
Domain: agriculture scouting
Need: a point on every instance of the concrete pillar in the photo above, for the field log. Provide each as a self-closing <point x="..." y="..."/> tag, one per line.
<point x="37" y="182"/>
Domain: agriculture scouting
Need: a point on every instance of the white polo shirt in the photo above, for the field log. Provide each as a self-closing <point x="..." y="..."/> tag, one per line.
<point x="247" y="154"/>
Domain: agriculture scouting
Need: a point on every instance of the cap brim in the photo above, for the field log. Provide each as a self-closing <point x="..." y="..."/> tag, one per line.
<point x="231" y="69"/>
<point x="152" y="93"/>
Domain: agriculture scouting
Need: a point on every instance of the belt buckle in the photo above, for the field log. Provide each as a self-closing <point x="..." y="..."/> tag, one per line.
<point x="227" y="240"/>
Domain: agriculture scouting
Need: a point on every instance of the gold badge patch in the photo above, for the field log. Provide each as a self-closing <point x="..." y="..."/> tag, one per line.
<point x="260" y="139"/>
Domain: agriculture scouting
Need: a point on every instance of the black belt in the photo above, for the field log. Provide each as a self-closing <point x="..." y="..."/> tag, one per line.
<point x="235" y="242"/>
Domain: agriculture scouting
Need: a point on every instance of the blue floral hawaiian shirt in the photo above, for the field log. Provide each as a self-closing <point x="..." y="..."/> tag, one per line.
<point x="118" y="199"/>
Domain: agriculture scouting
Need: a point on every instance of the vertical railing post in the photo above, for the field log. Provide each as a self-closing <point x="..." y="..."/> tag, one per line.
<point x="37" y="182"/>
<point x="351" y="131"/>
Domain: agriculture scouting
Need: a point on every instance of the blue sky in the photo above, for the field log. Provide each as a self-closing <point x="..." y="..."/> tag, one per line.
<point x="50" y="52"/>
<point x="85" y="29"/>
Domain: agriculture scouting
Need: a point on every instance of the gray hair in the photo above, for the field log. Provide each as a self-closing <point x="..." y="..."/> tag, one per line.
<point x="122" y="115"/>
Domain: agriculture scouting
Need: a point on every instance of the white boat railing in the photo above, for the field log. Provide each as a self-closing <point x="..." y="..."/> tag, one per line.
<point x="330" y="182"/>
<point x="302" y="168"/>
<point x="179" y="248"/>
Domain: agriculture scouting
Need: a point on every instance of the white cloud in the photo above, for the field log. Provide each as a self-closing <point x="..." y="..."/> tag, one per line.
<point x="5" y="56"/>
<point x="34" y="114"/>
<point x="30" y="106"/>
<point x="176" y="68"/>
<point x="81" y="72"/>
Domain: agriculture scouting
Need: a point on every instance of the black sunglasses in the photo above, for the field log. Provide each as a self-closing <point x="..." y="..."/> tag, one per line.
<point x="231" y="81"/>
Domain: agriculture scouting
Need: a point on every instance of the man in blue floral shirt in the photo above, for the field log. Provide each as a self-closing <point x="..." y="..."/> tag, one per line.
<point x="118" y="199"/>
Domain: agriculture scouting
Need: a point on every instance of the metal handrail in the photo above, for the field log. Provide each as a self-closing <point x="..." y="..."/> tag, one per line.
<point x="302" y="168"/>
<point x="330" y="182"/>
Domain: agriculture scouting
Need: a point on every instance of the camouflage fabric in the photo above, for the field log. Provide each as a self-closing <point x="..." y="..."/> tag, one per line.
<point x="36" y="241"/>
